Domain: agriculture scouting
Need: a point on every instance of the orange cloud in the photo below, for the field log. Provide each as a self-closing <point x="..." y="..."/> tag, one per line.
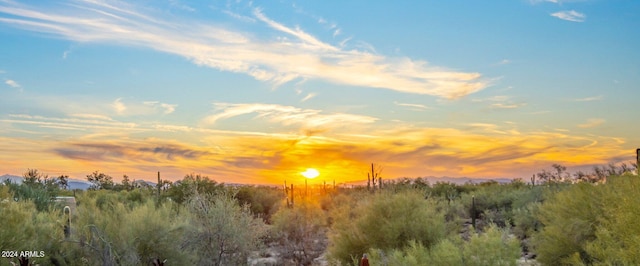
<point x="477" y="150"/>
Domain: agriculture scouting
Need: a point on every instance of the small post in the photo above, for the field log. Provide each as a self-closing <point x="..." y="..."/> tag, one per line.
<point x="292" y="195"/>
<point x="286" y="193"/>
<point x="23" y="261"/>
<point x="159" y="186"/>
<point x="67" y="225"/>
<point x="473" y="211"/>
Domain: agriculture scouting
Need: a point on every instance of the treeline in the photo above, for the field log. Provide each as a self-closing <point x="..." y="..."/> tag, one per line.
<point x="195" y="221"/>
<point x="554" y="219"/>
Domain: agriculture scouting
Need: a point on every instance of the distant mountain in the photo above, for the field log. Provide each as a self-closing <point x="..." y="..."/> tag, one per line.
<point x="143" y="183"/>
<point x="434" y="179"/>
<point x="463" y="180"/>
<point x="12" y="178"/>
<point x="78" y="184"/>
<point x="73" y="183"/>
<point x="85" y="185"/>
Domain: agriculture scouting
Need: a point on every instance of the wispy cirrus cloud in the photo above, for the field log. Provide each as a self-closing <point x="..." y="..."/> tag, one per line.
<point x="305" y="37"/>
<point x="165" y="107"/>
<point x="238" y="16"/>
<point x="591" y="123"/>
<point x="293" y="54"/>
<point x="495" y="98"/>
<point x="555" y="1"/>
<point x="12" y="83"/>
<point x="181" y="5"/>
<point x="501" y="102"/>
<point x="570" y="15"/>
<point x="589" y="99"/>
<point x="332" y="26"/>
<point x="121" y="107"/>
<point x="77" y="122"/>
<point x="507" y="105"/>
<point x="92" y="116"/>
<point x="286" y="115"/>
<point x="308" y="97"/>
<point x="413" y="106"/>
<point x="504" y="62"/>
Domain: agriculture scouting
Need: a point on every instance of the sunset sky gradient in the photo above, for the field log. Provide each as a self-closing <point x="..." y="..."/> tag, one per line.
<point x="259" y="91"/>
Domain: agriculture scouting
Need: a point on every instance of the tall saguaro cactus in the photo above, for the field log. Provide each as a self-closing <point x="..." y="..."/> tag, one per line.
<point x="159" y="188"/>
<point x="373" y="177"/>
<point x="288" y="193"/>
<point x="292" y="196"/>
<point x="638" y="161"/>
<point x="533" y="180"/>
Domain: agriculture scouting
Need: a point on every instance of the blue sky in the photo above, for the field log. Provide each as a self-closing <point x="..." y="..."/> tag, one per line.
<point x="256" y="92"/>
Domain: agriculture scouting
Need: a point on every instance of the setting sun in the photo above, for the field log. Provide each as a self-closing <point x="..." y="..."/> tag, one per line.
<point x="310" y="173"/>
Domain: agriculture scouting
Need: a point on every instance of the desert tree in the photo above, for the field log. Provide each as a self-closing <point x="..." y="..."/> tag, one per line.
<point x="181" y="190"/>
<point x="36" y="187"/>
<point x="126" y="183"/>
<point x="263" y="201"/>
<point x="100" y="181"/>
<point x="223" y="232"/>
<point x="560" y="172"/>
<point x="63" y="181"/>
<point x="300" y="230"/>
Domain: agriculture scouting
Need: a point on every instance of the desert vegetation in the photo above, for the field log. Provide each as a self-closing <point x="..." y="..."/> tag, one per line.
<point x="555" y="218"/>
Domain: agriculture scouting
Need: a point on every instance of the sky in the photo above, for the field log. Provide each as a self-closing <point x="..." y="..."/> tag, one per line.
<point x="256" y="92"/>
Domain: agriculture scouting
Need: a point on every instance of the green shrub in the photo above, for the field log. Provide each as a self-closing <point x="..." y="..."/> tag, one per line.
<point x="618" y="234"/>
<point x="415" y="254"/>
<point x="569" y="218"/>
<point x="592" y="224"/>
<point x="24" y="228"/>
<point x="153" y="233"/>
<point x="108" y="229"/>
<point x="493" y="247"/>
<point x="385" y="221"/>
<point x="446" y="253"/>
<point x="263" y="201"/>
<point x="222" y="232"/>
<point x="298" y="228"/>
<point x="525" y="221"/>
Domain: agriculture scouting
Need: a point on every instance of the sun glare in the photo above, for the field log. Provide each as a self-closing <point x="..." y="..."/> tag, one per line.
<point x="310" y="173"/>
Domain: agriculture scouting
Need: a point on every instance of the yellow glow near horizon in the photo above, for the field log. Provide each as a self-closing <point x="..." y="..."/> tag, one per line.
<point x="310" y="173"/>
